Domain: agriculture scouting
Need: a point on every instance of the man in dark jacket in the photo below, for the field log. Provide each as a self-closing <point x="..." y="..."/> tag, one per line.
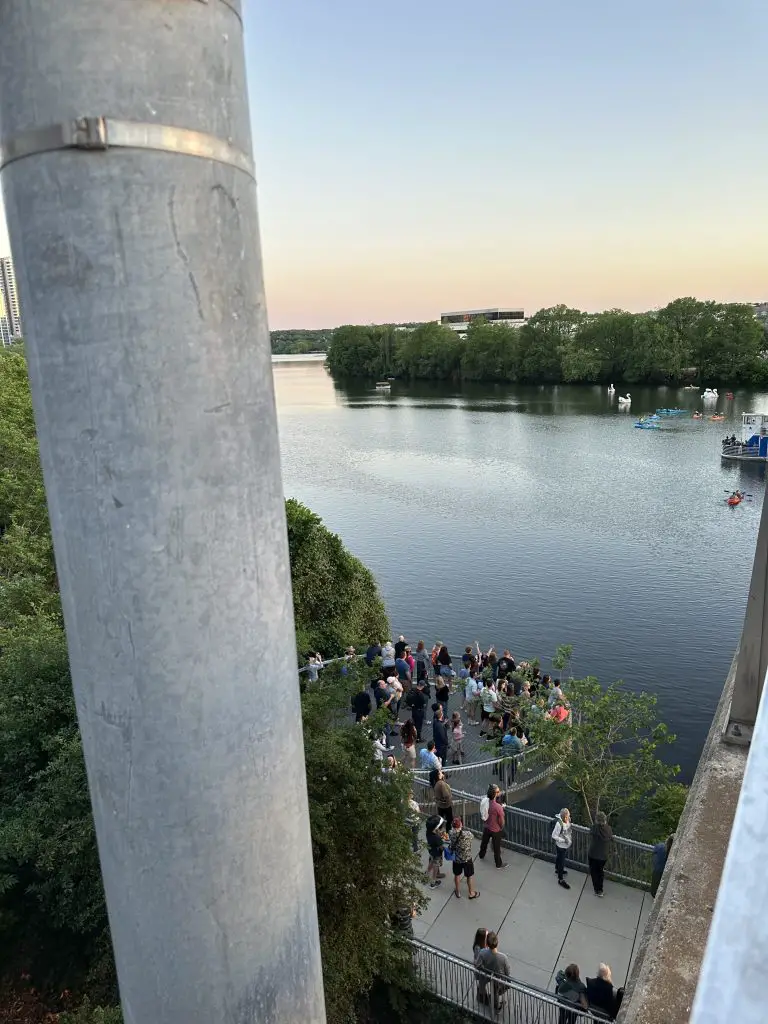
<point x="601" y="839"/>
<point x="361" y="705"/>
<point x="373" y="652"/>
<point x="416" y="701"/>
<point x="440" y="734"/>
<point x="400" y="647"/>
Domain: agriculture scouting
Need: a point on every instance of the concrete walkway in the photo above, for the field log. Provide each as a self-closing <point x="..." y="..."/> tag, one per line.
<point x="541" y="926"/>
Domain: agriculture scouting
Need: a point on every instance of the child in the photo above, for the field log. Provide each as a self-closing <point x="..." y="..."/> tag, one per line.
<point x="457" y="732"/>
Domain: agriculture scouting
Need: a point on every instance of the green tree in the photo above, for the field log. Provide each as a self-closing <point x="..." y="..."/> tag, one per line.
<point x="335" y="597"/>
<point x="491" y="352"/>
<point x="609" y="756"/>
<point x="542" y="341"/>
<point x="661" y="812"/>
<point x="431" y="351"/>
<point x="365" y="873"/>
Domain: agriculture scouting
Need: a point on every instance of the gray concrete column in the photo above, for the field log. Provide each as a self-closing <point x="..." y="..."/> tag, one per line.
<point x="140" y="277"/>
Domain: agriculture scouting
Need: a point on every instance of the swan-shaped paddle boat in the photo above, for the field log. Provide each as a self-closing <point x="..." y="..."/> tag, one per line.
<point x="611" y="389"/>
<point x="710" y="395"/>
<point x="625" y="399"/>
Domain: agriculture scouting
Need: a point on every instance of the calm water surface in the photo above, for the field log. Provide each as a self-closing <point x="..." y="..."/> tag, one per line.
<point x="528" y="517"/>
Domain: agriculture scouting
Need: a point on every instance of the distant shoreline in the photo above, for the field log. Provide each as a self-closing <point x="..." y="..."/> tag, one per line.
<point x="304" y="357"/>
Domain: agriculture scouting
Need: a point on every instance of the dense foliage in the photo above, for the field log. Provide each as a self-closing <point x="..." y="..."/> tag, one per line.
<point x="300" y="342"/>
<point x="335" y="598"/>
<point x="609" y="756"/>
<point x="52" y="913"/>
<point x="708" y="342"/>
<point x="365" y="873"/>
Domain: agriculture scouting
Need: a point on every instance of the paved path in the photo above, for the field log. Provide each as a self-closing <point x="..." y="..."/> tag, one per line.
<point x="541" y="926"/>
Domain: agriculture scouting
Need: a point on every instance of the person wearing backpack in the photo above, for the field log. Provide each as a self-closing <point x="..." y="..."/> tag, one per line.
<point x="561" y="833"/>
<point x="460" y="844"/>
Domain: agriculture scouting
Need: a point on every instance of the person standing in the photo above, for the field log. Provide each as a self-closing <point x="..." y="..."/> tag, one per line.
<point x="413" y="818"/>
<point x="423" y="662"/>
<point x="440" y="734"/>
<point x="660" y="855"/>
<point x="410" y="661"/>
<point x="460" y="843"/>
<point x="408" y="740"/>
<point x="388" y="658"/>
<point x="561" y="834"/>
<point x="400" y="647"/>
<point x="403" y="672"/>
<point x="494" y="827"/>
<point x="373" y="652"/>
<point x="361" y="705"/>
<point x="416" y="701"/>
<point x="428" y="759"/>
<point x="443" y="796"/>
<point x="601" y="837"/>
<point x="443" y="692"/>
<point x="457" y="738"/>
<point x="436" y="844"/>
<point x="492" y="962"/>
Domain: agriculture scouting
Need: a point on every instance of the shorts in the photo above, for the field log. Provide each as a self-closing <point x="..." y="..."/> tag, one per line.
<point x="465" y="867"/>
<point x="436" y="859"/>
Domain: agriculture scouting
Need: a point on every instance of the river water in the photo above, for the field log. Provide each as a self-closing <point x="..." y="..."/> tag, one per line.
<point x="532" y="516"/>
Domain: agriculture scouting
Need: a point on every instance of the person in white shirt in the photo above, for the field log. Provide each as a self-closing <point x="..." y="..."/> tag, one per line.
<point x="489" y="699"/>
<point x="388" y="656"/>
<point x="555" y="694"/>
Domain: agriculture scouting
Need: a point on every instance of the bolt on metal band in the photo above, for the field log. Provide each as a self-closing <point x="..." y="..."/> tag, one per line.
<point x="103" y="133"/>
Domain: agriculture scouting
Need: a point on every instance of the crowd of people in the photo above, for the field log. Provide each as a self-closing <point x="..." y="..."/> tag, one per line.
<point x="501" y="696"/>
<point x="504" y="699"/>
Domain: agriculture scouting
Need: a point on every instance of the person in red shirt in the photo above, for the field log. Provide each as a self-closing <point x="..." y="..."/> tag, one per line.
<point x="494" y="826"/>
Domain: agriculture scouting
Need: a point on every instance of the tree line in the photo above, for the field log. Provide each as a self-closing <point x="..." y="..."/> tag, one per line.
<point x="687" y="341"/>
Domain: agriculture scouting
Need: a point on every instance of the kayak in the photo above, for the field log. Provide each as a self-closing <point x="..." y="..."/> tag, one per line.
<point x="733" y="501"/>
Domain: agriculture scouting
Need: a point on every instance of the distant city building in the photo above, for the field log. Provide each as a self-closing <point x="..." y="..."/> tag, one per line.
<point x="761" y="311"/>
<point x="497" y="315"/>
<point x="5" y="331"/>
<point x="10" y="297"/>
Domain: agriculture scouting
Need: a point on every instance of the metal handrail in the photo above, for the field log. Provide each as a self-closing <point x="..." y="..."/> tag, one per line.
<point x="629" y="861"/>
<point x="459" y="983"/>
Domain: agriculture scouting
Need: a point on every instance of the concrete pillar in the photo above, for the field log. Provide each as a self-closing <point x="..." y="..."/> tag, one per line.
<point x="753" y="651"/>
<point x="140" y="274"/>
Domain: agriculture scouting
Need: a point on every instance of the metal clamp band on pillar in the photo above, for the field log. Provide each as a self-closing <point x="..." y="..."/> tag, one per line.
<point x="102" y="133"/>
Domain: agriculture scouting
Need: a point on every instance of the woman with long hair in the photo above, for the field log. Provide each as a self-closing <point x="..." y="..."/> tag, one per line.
<point x="408" y="740"/>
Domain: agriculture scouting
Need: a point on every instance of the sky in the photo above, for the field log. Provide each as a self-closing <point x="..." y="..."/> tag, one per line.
<point x="421" y="156"/>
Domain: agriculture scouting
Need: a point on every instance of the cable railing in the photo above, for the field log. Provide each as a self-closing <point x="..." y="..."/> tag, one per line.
<point x="528" y="832"/>
<point x="512" y="774"/>
<point x="491" y="996"/>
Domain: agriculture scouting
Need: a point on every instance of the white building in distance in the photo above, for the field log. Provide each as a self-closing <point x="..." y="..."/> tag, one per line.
<point x="460" y="320"/>
<point x="9" y="299"/>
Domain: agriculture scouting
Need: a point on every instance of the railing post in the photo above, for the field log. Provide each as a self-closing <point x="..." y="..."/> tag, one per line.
<point x="752" y="659"/>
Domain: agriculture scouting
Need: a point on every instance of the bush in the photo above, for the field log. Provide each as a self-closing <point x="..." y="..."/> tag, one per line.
<point x="335" y="598"/>
<point x="87" y="1014"/>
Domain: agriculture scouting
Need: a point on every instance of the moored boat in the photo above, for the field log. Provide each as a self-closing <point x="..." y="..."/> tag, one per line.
<point x="383" y="385"/>
<point x="754" y="446"/>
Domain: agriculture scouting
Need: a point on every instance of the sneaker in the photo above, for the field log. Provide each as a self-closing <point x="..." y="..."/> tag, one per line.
<point x="502" y="865"/>
<point x="562" y="881"/>
<point x="433" y="885"/>
<point x="600" y="894"/>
